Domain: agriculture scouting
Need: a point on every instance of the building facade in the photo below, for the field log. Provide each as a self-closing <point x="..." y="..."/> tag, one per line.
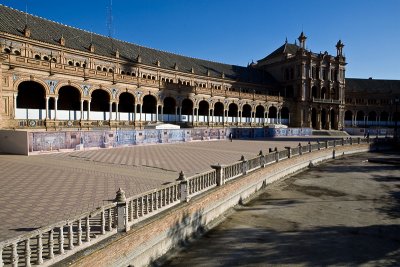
<point x="57" y="77"/>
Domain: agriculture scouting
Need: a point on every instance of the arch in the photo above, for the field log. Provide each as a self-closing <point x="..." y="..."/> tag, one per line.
<point x="314" y="92"/>
<point x="218" y="109"/>
<point x="396" y="116"/>
<point x="333" y="119"/>
<point x="126" y="102"/>
<point x="384" y="116"/>
<point x="246" y="111"/>
<point x="260" y="110"/>
<point x="313" y="118"/>
<point x="372" y="116"/>
<point x="348" y="115"/>
<point x="68" y="98"/>
<point x="323" y="93"/>
<point x="149" y="104"/>
<point x="285" y="113"/>
<point x="324" y="114"/>
<point x="100" y="100"/>
<point x="169" y="105"/>
<point x="272" y="112"/>
<point x="32" y="95"/>
<point x="187" y="107"/>
<point x="360" y="115"/>
<point x="232" y="110"/>
<point x="203" y="108"/>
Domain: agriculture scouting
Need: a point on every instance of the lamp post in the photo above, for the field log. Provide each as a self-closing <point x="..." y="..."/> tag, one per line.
<point x="396" y="101"/>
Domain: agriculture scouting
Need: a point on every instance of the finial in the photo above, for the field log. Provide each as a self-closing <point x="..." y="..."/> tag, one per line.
<point x="62" y="40"/>
<point x="120" y="197"/>
<point x="181" y="177"/>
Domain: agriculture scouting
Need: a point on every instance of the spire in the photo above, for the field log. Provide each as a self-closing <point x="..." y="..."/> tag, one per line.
<point x="302" y="39"/>
<point x="286" y="40"/>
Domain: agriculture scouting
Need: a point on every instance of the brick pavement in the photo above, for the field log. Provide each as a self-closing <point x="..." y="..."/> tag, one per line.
<point x="38" y="190"/>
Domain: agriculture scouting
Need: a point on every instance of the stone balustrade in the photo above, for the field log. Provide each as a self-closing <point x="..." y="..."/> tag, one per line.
<point x="53" y="243"/>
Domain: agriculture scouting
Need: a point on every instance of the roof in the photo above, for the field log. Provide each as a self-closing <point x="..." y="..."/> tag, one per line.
<point x="372" y="86"/>
<point x="13" y="22"/>
<point x="285" y="48"/>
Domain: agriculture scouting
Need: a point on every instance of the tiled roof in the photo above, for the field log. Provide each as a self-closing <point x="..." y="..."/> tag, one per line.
<point x="285" y="48"/>
<point x="372" y="85"/>
<point x="13" y="22"/>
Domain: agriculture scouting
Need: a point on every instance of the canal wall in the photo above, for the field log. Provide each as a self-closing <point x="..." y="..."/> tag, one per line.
<point x="151" y="238"/>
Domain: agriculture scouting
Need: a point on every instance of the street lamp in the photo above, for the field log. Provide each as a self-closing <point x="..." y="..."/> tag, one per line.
<point x="396" y="101"/>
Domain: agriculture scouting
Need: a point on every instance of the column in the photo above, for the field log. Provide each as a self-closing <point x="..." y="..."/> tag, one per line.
<point x="157" y="112"/>
<point x="180" y="114"/>
<point x="141" y="111"/>
<point x="193" y="115"/>
<point x="264" y="117"/>
<point x="116" y="111"/>
<point x="47" y="107"/>
<point x="88" y="110"/>
<point x="55" y="107"/>
<point x="110" y="111"/>
<point x="81" y="117"/>
<point x="197" y="114"/>
<point x="211" y="114"/>
<point x="240" y="116"/>
<point x="15" y="104"/>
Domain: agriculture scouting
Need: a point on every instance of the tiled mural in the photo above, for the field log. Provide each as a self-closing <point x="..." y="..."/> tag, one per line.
<point x="49" y="141"/>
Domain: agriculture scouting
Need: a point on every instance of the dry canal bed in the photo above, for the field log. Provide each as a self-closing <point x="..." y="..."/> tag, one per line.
<point x="344" y="212"/>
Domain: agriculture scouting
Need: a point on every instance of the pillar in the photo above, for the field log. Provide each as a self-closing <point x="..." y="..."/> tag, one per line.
<point x="55" y="107"/>
<point x="157" y="106"/>
<point x="81" y="117"/>
<point x="47" y="107"/>
<point x="15" y="104"/>
<point x="141" y="111"/>
<point x="110" y="111"/>
<point x="116" y="111"/>
<point x="88" y="110"/>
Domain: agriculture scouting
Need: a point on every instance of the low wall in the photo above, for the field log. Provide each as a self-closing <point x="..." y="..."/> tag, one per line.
<point x="152" y="238"/>
<point x="70" y="140"/>
<point x="14" y="142"/>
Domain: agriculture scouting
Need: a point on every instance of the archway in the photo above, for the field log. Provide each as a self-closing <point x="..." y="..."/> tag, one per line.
<point x="126" y="106"/>
<point x="218" y="112"/>
<point x="360" y="118"/>
<point x="187" y="109"/>
<point x="31" y="95"/>
<point x="232" y="112"/>
<point x="246" y="113"/>
<point x="285" y="116"/>
<point x="69" y="103"/>
<point x="348" y="118"/>
<point x="99" y="105"/>
<point x="323" y="119"/>
<point x="333" y="119"/>
<point x="260" y="111"/>
<point x="203" y="111"/>
<point x="323" y="93"/>
<point x="169" y="109"/>
<point x="384" y="118"/>
<point x="273" y="114"/>
<point x="313" y="118"/>
<point x="314" y="92"/>
<point x="149" y="108"/>
<point x="372" y="116"/>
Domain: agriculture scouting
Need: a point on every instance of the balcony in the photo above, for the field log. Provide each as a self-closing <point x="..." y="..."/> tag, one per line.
<point x="325" y="101"/>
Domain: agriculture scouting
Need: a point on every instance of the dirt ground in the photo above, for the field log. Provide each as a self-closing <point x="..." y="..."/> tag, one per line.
<point x="345" y="212"/>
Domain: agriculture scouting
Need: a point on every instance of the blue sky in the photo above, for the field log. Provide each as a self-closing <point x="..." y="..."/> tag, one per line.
<point x="239" y="31"/>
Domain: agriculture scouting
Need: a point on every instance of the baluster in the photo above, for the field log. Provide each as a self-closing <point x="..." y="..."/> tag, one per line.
<point x="14" y="256"/>
<point x="157" y="194"/>
<point x="40" y="249"/>
<point x="61" y="240"/>
<point x="87" y="229"/>
<point x="51" y="244"/>
<point x="136" y="208"/>
<point x="148" y="201"/>
<point x="131" y="204"/>
<point x="79" y="232"/>
<point x="1" y="257"/>
<point x="142" y="206"/>
<point x="103" y="223"/>
<point x="164" y="197"/>
<point x="109" y="227"/>
<point x="27" y="253"/>
<point x="70" y="236"/>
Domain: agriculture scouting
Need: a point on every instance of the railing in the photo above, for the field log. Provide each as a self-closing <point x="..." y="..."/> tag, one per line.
<point x="51" y="244"/>
<point x="323" y="100"/>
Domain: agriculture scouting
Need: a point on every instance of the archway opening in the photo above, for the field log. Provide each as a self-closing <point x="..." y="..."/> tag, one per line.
<point x="149" y="104"/>
<point x="126" y="102"/>
<point x="285" y="119"/>
<point x="246" y="111"/>
<point x="233" y="110"/>
<point x="169" y="106"/>
<point x="187" y="107"/>
<point x="323" y="119"/>
<point x="314" y="92"/>
<point x="360" y="118"/>
<point x="314" y="118"/>
<point x="31" y="95"/>
<point x="333" y="119"/>
<point x="100" y="101"/>
<point x="260" y="110"/>
<point x="203" y="108"/>
<point x="372" y="116"/>
<point x="218" y="109"/>
<point x="69" y="98"/>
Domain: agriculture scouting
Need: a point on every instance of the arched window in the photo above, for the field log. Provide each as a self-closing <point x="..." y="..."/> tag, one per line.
<point x="37" y="57"/>
<point x="31" y="95"/>
<point x="70" y="63"/>
<point x="98" y="68"/>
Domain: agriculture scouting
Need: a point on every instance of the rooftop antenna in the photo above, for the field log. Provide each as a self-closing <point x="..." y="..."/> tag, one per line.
<point x="110" y="24"/>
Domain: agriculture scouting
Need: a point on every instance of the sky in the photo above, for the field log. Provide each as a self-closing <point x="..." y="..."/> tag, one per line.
<point x="241" y="31"/>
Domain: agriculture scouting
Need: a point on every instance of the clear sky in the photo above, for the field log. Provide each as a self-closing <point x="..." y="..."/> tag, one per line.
<point x="239" y="31"/>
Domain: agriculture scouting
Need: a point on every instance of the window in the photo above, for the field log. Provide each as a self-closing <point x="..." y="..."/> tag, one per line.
<point x="37" y="57"/>
<point x="70" y="63"/>
<point x="17" y="52"/>
<point x="98" y="68"/>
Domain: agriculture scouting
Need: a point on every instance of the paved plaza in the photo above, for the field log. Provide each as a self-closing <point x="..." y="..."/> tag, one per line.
<point x="39" y="190"/>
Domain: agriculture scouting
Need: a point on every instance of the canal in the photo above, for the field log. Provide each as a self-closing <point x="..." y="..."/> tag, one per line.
<point x="344" y="212"/>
